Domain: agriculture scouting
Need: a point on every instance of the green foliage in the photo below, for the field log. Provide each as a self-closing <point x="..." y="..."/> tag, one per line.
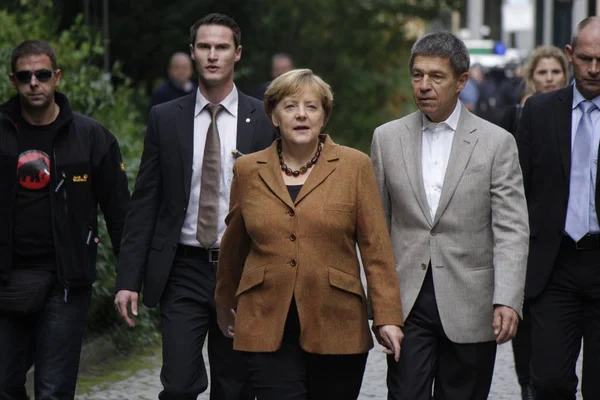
<point x="91" y="93"/>
<point x="357" y="46"/>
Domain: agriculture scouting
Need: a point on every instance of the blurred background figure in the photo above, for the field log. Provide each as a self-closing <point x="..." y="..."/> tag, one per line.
<point x="489" y="103"/>
<point x="470" y="94"/>
<point x="545" y="71"/>
<point x="280" y="64"/>
<point x="178" y="82"/>
<point x="511" y="87"/>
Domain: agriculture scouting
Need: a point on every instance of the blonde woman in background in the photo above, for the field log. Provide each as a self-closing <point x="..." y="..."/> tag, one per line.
<point x="546" y="70"/>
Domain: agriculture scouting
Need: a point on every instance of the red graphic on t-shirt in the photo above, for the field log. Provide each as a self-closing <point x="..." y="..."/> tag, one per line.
<point x="33" y="169"/>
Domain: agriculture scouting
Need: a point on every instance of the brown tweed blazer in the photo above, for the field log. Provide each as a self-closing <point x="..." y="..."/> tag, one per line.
<point x="274" y="249"/>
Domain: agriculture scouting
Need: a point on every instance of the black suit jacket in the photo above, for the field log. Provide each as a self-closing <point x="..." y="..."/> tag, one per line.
<point x="159" y="202"/>
<point x="544" y="141"/>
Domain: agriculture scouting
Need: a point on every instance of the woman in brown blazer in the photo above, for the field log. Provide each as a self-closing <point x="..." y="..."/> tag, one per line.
<point x="288" y="262"/>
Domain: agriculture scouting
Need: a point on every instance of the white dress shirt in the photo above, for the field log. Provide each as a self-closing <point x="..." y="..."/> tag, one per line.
<point x="577" y="113"/>
<point x="227" y="126"/>
<point x="435" y="153"/>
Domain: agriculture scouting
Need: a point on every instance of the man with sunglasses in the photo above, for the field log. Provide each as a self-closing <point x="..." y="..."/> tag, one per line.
<point x="56" y="166"/>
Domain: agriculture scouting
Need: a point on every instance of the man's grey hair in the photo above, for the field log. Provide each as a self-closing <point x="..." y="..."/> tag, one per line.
<point x="442" y="44"/>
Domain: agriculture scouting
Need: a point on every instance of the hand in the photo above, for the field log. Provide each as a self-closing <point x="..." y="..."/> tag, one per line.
<point x="226" y="320"/>
<point x="505" y="324"/>
<point x="122" y="300"/>
<point x="390" y="337"/>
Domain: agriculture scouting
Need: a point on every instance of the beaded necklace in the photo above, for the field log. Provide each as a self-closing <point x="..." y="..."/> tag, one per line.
<point x="303" y="169"/>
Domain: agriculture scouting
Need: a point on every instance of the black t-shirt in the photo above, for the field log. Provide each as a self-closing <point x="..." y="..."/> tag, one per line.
<point x="294" y="190"/>
<point x="33" y="239"/>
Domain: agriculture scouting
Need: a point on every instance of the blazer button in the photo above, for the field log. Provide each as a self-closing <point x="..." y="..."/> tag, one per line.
<point x="423" y="267"/>
<point x="291" y="213"/>
<point x="174" y="246"/>
<point x="293" y="237"/>
<point x="184" y="209"/>
<point x="433" y="233"/>
<point x="293" y="263"/>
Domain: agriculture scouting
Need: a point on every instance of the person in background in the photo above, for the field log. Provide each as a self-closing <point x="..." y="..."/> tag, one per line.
<point x="489" y="106"/>
<point x="56" y="167"/>
<point x="177" y="216"/>
<point x="453" y="197"/>
<point x="558" y="139"/>
<point x="546" y="70"/>
<point x="288" y="285"/>
<point x="511" y="88"/>
<point x="470" y="94"/>
<point x="280" y="64"/>
<point x="178" y="82"/>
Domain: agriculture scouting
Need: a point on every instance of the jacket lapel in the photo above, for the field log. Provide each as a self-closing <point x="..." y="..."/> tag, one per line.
<point x="411" y="143"/>
<point x="246" y="124"/>
<point x="271" y="175"/>
<point x="563" y="115"/>
<point x="460" y="154"/>
<point x="185" y="137"/>
<point x="322" y="169"/>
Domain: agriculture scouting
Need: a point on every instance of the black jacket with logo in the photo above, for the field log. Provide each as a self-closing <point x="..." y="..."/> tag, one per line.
<point x="87" y="170"/>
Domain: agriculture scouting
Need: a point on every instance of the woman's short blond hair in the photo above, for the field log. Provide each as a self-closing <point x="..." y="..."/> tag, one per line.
<point x="546" y="52"/>
<point x="292" y="83"/>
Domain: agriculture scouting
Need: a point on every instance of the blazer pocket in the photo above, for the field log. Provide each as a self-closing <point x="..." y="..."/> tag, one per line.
<point x="345" y="281"/>
<point x="482" y="268"/>
<point x="474" y="169"/>
<point x="341" y="207"/>
<point x="158" y="243"/>
<point x="250" y="279"/>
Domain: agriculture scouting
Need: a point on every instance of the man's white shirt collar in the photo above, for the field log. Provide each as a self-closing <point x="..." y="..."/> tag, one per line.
<point x="229" y="103"/>
<point x="451" y="121"/>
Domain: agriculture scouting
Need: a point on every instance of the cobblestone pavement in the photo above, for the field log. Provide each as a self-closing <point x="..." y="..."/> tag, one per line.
<point x="145" y="383"/>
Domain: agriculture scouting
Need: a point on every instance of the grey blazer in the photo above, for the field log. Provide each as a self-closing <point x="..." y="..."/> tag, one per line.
<point x="477" y="242"/>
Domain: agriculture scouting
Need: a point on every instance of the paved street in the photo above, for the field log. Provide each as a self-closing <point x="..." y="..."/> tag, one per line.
<point x="145" y="383"/>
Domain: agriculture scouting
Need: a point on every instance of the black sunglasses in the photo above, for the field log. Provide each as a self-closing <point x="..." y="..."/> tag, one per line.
<point x="42" y="75"/>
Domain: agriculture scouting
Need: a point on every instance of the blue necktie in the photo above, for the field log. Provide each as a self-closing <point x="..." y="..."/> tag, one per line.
<point x="578" y="210"/>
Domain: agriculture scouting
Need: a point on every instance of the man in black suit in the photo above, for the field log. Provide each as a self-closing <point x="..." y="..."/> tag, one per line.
<point x="176" y="218"/>
<point x="558" y="139"/>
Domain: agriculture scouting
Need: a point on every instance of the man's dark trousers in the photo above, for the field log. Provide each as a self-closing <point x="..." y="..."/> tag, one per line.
<point x="460" y="371"/>
<point x="567" y="310"/>
<point x="188" y="314"/>
<point x="51" y="339"/>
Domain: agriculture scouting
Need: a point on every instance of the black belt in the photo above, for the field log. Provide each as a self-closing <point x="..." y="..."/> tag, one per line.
<point x="212" y="255"/>
<point x="591" y="241"/>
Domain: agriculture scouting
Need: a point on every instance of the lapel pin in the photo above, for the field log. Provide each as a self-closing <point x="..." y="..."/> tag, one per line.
<point x="247" y="119"/>
<point x="236" y="154"/>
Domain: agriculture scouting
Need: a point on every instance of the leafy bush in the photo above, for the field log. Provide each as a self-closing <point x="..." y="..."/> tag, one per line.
<point x="91" y="93"/>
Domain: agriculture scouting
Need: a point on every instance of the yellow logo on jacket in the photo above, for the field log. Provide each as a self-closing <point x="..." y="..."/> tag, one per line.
<point x="79" y="178"/>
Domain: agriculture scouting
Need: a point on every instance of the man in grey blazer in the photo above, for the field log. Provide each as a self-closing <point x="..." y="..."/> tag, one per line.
<point x="452" y="191"/>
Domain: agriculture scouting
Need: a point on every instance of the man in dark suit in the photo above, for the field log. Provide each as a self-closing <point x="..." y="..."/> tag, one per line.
<point x="176" y="219"/>
<point x="558" y="140"/>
